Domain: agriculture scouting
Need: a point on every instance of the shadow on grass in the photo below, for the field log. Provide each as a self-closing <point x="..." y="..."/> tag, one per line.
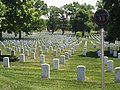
<point x="94" y="54"/>
<point x="90" y="54"/>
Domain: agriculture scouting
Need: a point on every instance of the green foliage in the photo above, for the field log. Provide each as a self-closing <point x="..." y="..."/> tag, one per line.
<point x="78" y="35"/>
<point x="72" y="17"/>
<point x="99" y="4"/>
<point x="53" y="18"/>
<point x="2" y="12"/>
<point x="113" y="27"/>
<point x="23" y="15"/>
<point x="81" y="19"/>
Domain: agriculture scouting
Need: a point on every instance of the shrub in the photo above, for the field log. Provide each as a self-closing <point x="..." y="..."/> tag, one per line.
<point x="78" y="34"/>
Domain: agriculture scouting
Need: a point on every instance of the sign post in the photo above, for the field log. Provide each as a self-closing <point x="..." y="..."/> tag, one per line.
<point x="101" y="17"/>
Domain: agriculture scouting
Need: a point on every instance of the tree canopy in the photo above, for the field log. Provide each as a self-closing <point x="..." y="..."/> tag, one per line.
<point x="23" y="15"/>
<point x="26" y="16"/>
<point x="113" y="27"/>
<point x="73" y="17"/>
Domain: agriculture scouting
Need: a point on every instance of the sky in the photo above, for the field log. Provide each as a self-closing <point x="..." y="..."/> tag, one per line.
<point x="59" y="3"/>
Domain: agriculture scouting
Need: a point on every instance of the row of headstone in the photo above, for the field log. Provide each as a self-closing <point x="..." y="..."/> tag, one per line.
<point x="2" y="44"/>
<point x="110" y="68"/>
<point x="28" y="42"/>
<point x="81" y="71"/>
<point x="85" y="49"/>
<point x="42" y="57"/>
<point x="22" y="51"/>
<point x="93" y="44"/>
<point x="61" y="60"/>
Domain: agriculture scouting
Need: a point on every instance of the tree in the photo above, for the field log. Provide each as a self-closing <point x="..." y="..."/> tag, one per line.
<point x="21" y="15"/>
<point x="99" y="4"/>
<point x="52" y="23"/>
<point x="70" y="12"/>
<point x="79" y="22"/>
<point x="53" y="19"/>
<point x="38" y="23"/>
<point x="113" y="27"/>
<point x="2" y="12"/>
<point x="73" y="17"/>
<point x="82" y="21"/>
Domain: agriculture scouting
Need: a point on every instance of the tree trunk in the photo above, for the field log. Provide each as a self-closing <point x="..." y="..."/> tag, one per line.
<point x="75" y="32"/>
<point x="52" y="31"/>
<point x="0" y="35"/>
<point x="63" y="32"/>
<point x="83" y="34"/>
<point x="15" y="34"/>
<point x="19" y="34"/>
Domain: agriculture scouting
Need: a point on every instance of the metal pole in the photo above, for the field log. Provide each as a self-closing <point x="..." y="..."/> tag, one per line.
<point x="102" y="56"/>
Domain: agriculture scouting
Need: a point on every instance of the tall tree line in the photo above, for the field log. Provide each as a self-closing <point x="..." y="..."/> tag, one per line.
<point x="72" y="17"/>
<point x="25" y="16"/>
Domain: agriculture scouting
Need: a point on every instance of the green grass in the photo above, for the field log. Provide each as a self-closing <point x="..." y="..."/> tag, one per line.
<point x="27" y="76"/>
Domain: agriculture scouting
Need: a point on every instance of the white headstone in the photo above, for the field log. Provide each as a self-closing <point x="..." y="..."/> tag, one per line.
<point x="26" y="52"/>
<point x="81" y="72"/>
<point x="111" y="51"/>
<point x="46" y="50"/>
<point x="114" y="53"/>
<point x="110" y="65"/>
<point x="40" y="48"/>
<point x="94" y="45"/>
<point x="42" y="58"/>
<point x="55" y="53"/>
<point x="0" y="52"/>
<point x="51" y="48"/>
<point x="105" y="59"/>
<point x="119" y="56"/>
<point x="69" y="53"/>
<point x="45" y="71"/>
<point x="59" y="50"/>
<point x="56" y="64"/>
<point x="33" y="55"/>
<point x="18" y="49"/>
<point x="117" y="75"/>
<point x="66" y="55"/>
<point x="22" y="58"/>
<point x="62" y="59"/>
<point x="84" y="52"/>
<point x="6" y="62"/>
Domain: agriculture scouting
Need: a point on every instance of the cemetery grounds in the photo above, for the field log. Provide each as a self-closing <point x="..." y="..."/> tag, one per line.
<point x="27" y="75"/>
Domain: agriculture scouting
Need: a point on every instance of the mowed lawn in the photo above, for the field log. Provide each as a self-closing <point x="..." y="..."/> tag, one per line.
<point x="27" y="76"/>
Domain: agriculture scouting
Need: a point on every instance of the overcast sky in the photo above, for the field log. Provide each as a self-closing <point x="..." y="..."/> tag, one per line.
<point x="60" y="3"/>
